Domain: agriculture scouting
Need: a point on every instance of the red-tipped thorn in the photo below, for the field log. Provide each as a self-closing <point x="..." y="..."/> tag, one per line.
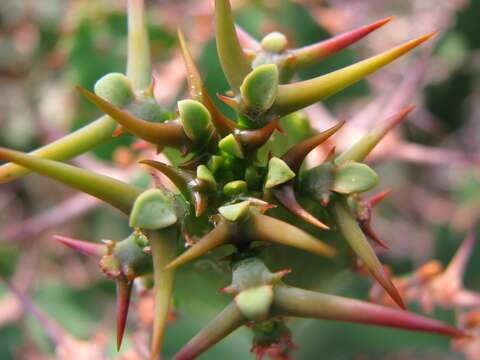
<point x="232" y="290"/>
<point x="83" y="247"/>
<point x="315" y="52"/>
<point x="124" y="292"/>
<point x="295" y="156"/>
<point x="286" y="196"/>
<point x="368" y="230"/>
<point x="456" y="267"/>
<point x="396" y="119"/>
<point x="229" y="101"/>
<point x="117" y="132"/>
<point x="375" y="199"/>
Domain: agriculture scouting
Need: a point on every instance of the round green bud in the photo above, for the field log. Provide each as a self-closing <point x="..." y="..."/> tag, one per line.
<point x="236" y="187"/>
<point x="115" y="88"/>
<point x="274" y="42"/>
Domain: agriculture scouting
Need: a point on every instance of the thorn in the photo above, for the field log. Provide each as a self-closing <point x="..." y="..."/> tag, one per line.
<point x="124" y="292"/>
<point x="184" y="181"/>
<point x="188" y="239"/>
<point x="279" y="275"/>
<point x="200" y="202"/>
<point x="118" y="132"/>
<point x="266" y="207"/>
<point x="295" y="156"/>
<point x="114" y="192"/>
<point x="375" y="199"/>
<point x="165" y="134"/>
<point x="396" y="119"/>
<point x="296" y="96"/>
<point x="229" y="101"/>
<point x="360" y="150"/>
<point x="285" y="194"/>
<point x="232" y="290"/>
<point x="353" y="234"/>
<point x="84" y="247"/>
<point x="147" y="250"/>
<point x="221" y="123"/>
<point x="246" y="40"/>
<point x="313" y="53"/>
<point x="140" y="145"/>
<point x="457" y="266"/>
<point x="151" y="88"/>
<point x="309" y="304"/>
<point x="281" y="130"/>
<point x="268" y="229"/>
<point x="368" y="230"/>
<point x="254" y="139"/>
<point x="194" y="162"/>
<point x="215" y="238"/>
<point x="331" y="155"/>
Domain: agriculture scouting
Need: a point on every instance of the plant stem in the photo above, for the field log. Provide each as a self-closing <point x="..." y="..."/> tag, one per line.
<point x="139" y="68"/>
<point x="164" y="249"/>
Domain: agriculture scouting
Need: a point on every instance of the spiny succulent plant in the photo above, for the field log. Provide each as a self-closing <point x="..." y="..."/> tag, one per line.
<point x="229" y="182"/>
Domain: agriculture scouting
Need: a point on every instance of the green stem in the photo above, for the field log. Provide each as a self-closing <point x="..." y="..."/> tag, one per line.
<point x="226" y="322"/>
<point x="164" y="249"/>
<point x="69" y="146"/>
<point x="112" y="191"/>
<point x="139" y="68"/>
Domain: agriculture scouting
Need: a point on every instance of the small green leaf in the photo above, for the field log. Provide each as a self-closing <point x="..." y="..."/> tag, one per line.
<point x="204" y="174"/>
<point x="318" y="181"/>
<point x="278" y="173"/>
<point x="255" y="303"/>
<point x="216" y="163"/>
<point x="354" y="177"/>
<point x="235" y="212"/>
<point x="231" y="146"/>
<point x="196" y="120"/>
<point x="236" y="187"/>
<point x="116" y="88"/>
<point x="153" y="209"/>
<point x="274" y="42"/>
<point x="259" y="89"/>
